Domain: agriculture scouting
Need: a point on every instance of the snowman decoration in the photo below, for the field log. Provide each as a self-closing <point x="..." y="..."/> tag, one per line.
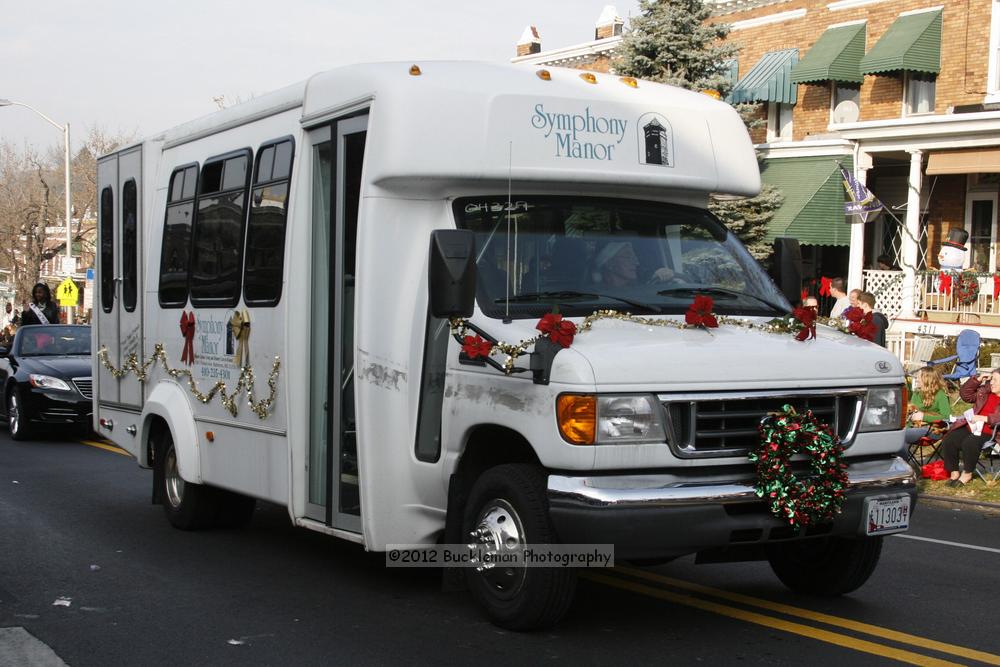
<point x="952" y="258"/>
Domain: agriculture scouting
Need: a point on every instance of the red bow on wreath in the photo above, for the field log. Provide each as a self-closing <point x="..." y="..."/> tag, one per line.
<point x="824" y="286"/>
<point x="808" y="318"/>
<point x="945" y="279"/>
<point x="699" y="313"/>
<point x="187" y="330"/>
<point x="559" y="331"/>
<point x="475" y="346"/>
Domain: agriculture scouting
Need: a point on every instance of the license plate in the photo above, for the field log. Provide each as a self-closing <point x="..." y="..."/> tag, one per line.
<point x="887" y="515"/>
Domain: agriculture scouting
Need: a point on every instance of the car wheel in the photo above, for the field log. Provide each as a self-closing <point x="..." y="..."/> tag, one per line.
<point x="825" y="566"/>
<point x="187" y="506"/>
<point x="18" y="419"/>
<point x="507" y="510"/>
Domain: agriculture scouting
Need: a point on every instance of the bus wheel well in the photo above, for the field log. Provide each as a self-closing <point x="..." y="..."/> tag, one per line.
<point x="487" y="446"/>
<point x="157" y="426"/>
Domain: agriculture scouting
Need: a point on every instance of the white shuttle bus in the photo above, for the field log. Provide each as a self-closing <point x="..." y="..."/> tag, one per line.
<point x="326" y="297"/>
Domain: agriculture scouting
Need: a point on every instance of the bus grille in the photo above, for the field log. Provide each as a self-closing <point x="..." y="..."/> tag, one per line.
<point x="726" y="425"/>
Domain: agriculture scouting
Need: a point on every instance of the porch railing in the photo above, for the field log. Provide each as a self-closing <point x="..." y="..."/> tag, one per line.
<point x="931" y="296"/>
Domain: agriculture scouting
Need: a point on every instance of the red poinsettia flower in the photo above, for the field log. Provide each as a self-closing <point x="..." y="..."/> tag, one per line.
<point x="700" y="313"/>
<point x="853" y="314"/>
<point x="559" y="331"/>
<point x="475" y="346"/>
<point x="807" y="316"/>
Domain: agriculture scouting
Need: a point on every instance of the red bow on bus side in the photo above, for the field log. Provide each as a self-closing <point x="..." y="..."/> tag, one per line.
<point x="187" y="330"/>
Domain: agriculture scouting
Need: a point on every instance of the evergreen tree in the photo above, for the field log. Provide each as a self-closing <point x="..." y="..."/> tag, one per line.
<point x="672" y="42"/>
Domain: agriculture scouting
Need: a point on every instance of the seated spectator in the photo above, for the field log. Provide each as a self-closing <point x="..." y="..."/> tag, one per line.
<point x="930" y="404"/>
<point x="984" y="394"/>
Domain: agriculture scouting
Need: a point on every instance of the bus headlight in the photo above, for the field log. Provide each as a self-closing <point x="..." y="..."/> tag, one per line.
<point x="885" y="410"/>
<point x="610" y="420"/>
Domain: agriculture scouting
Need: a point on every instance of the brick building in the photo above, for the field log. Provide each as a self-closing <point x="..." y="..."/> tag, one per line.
<point x="906" y="93"/>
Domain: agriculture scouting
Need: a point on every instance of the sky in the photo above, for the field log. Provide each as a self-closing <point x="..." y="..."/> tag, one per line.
<point x="139" y="67"/>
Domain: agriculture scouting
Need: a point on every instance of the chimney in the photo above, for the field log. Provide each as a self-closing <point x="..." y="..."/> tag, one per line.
<point x="609" y="24"/>
<point x="530" y="42"/>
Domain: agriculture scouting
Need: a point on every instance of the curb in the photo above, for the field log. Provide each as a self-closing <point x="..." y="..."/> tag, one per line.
<point x="960" y="501"/>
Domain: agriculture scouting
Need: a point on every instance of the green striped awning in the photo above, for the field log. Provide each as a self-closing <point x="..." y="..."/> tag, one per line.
<point x="813" y="210"/>
<point x="769" y="80"/>
<point x="912" y="43"/>
<point x="836" y="56"/>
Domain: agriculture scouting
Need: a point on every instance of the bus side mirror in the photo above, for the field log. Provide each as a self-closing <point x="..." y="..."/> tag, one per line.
<point x="452" y="269"/>
<point x="787" y="262"/>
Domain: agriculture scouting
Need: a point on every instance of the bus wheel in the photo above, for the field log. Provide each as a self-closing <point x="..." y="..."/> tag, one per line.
<point x="507" y="510"/>
<point x="825" y="566"/>
<point x="187" y="506"/>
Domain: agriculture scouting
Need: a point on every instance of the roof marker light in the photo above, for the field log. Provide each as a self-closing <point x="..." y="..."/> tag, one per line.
<point x="415" y="70"/>
<point x="630" y="81"/>
<point x="588" y="77"/>
<point x="544" y="75"/>
<point x="714" y="94"/>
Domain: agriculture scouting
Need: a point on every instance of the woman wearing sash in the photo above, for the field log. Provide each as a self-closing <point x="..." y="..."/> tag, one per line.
<point x="42" y="310"/>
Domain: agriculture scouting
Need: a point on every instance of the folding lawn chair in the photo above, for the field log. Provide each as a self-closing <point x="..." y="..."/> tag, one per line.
<point x="988" y="465"/>
<point x="966" y="356"/>
<point x="927" y="448"/>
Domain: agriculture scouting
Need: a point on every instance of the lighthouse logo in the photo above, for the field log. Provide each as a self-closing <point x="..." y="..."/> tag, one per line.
<point x="656" y="140"/>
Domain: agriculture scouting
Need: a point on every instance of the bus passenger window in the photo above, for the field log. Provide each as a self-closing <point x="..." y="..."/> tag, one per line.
<point x="176" y="248"/>
<point x="130" y="246"/>
<point x="107" y="250"/>
<point x="217" y="257"/>
<point x="262" y="280"/>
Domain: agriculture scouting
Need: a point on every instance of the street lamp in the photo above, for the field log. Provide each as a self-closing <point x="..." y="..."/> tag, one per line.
<point x="69" y="195"/>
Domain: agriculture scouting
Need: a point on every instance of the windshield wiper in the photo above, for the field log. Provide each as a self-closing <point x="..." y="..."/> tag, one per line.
<point x="721" y="290"/>
<point x="572" y="294"/>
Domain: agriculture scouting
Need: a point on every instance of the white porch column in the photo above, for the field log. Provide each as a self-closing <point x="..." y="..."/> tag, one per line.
<point x="856" y="259"/>
<point x="912" y="232"/>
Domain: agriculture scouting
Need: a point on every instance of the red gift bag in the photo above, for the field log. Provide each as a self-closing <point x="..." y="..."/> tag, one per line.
<point x="934" y="471"/>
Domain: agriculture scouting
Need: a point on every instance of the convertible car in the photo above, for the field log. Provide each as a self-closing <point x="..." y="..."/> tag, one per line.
<point x="46" y="378"/>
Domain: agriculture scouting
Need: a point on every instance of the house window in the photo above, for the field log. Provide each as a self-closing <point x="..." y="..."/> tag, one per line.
<point x="779" y="122"/>
<point x="845" y="102"/>
<point x="993" y="64"/>
<point x="918" y="93"/>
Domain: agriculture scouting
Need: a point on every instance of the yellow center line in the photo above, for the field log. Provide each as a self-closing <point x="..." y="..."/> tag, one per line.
<point x="105" y="447"/>
<point x="771" y="622"/>
<point x="837" y="621"/>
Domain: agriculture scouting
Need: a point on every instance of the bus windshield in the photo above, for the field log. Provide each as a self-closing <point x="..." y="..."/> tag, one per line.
<point x="585" y="254"/>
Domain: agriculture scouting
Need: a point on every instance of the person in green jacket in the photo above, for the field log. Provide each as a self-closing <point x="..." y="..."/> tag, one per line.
<point x="930" y="404"/>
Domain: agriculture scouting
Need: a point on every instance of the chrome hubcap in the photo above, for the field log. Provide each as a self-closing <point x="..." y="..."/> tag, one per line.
<point x="498" y="535"/>
<point x="14" y="414"/>
<point x="172" y="477"/>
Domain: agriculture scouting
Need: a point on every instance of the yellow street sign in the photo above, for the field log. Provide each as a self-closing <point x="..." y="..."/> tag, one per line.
<point x="67" y="293"/>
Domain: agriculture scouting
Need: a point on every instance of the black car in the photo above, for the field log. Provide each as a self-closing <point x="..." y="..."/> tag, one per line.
<point x="46" y="376"/>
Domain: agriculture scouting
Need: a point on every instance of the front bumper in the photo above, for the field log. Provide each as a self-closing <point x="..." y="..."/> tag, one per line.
<point x="670" y="515"/>
<point x="50" y="407"/>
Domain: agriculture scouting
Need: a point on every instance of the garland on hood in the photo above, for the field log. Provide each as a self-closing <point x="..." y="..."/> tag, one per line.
<point x="801" y="324"/>
<point x="800" y="502"/>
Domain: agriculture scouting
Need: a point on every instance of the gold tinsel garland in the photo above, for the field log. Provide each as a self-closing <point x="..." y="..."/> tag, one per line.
<point x="262" y="408"/>
<point x="783" y="325"/>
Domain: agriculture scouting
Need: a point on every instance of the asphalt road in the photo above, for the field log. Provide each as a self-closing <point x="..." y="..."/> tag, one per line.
<point x="93" y="571"/>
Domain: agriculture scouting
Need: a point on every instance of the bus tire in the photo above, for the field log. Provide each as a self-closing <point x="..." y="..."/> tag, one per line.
<point x="825" y="567"/>
<point x="507" y="505"/>
<point x="187" y="506"/>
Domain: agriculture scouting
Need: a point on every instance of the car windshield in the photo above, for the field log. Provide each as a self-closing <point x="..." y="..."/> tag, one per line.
<point x="585" y="254"/>
<point x="42" y="341"/>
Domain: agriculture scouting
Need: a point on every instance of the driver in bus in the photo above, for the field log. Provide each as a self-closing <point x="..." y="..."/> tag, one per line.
<point x="617" y="265"/>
